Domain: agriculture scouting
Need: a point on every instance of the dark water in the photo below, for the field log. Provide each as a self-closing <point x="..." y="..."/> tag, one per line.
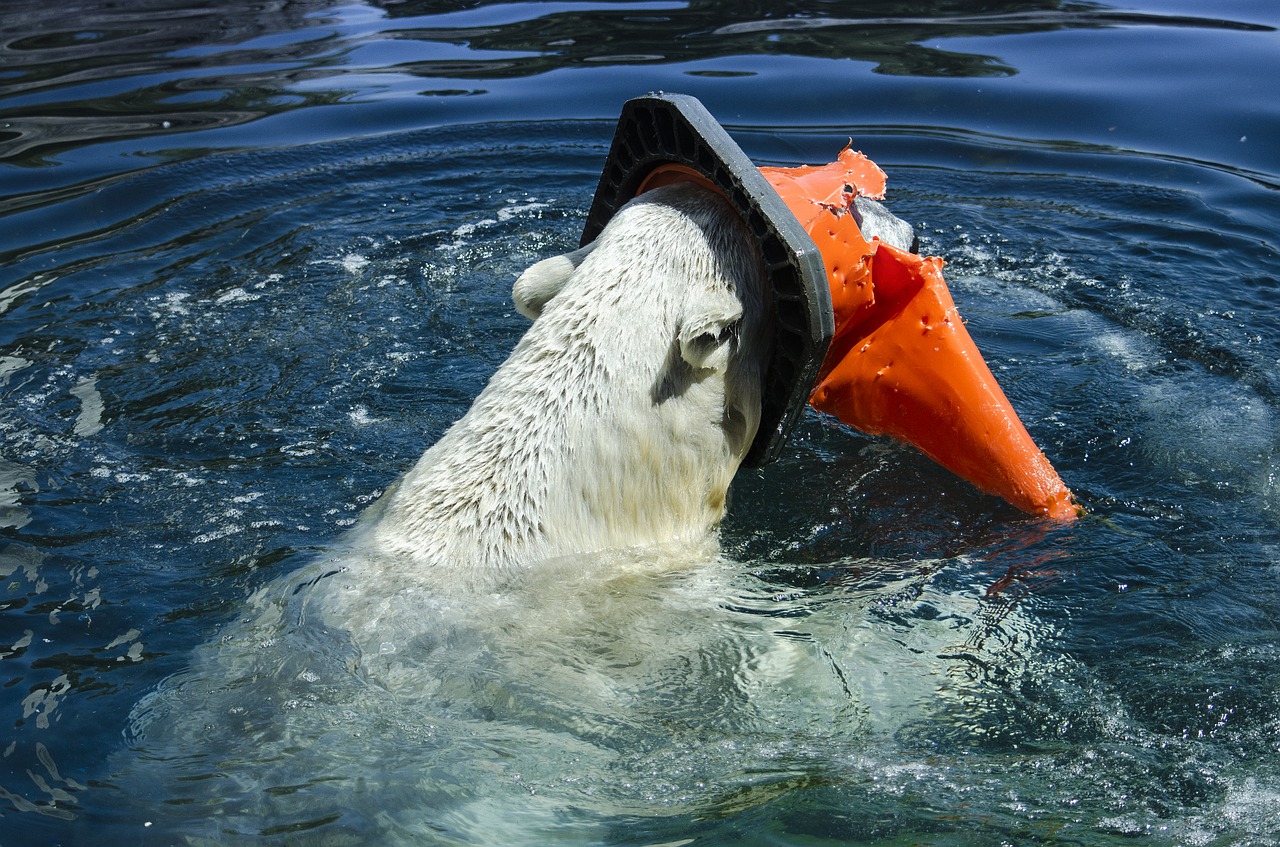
<point x="254" y="258"/>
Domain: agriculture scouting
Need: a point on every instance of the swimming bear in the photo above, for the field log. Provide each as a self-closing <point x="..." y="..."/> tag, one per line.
<point x="542" y="587"/>
<point x="620" y="418"/>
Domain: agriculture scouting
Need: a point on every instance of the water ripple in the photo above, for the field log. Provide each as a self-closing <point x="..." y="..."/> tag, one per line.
<point x="222" y="338"/>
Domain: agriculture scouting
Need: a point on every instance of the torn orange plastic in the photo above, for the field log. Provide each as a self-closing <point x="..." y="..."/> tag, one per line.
<point x="901" y="362"/>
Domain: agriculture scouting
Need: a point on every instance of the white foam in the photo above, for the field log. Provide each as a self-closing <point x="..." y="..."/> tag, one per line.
<point x="354" y="263"/>
<point x="1249" y="807"/>
<point x="360" y="416"/>
<point x="1131" y="350"/>
<point x="236" y="295"/>
<point x="219" y="533"/>
<point x="514" y="210"/>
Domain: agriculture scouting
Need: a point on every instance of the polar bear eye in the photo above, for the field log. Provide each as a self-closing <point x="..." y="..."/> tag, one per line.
<point x="705" y="335"/>
<point x="709" y="340"/>
<point x="711" y="347"/>
<point x="730" y="332"/>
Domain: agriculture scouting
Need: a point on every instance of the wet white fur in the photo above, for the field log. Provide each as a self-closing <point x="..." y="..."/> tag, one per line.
<point x="513" y="594"/>
<point x="619" y="419"/>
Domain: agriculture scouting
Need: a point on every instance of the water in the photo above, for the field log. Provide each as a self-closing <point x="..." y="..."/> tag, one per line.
<point x="254" y="259"/>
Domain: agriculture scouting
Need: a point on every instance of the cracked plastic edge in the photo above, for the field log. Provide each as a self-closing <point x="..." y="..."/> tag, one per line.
<point x="676" y="130"/>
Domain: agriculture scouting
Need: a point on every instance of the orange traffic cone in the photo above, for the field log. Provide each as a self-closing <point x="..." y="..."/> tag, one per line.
<point x="901" y="362"/>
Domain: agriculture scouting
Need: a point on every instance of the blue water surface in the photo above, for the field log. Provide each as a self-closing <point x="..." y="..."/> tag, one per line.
<point x="256" y="257"/>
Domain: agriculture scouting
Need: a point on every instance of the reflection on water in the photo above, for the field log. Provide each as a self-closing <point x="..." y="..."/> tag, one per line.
<point x="182" y="69"/>
<point x="121" y="73"/>
<point x="211" y="362"/>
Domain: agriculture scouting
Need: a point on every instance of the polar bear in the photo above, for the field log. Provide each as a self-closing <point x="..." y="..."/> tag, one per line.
<point x="510" y="647"/>
<point x="462" y="622"/>
<point x="619" y="419"/>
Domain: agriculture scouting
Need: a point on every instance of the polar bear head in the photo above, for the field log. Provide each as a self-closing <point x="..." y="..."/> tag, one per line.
<point x="685" y="253"/>
<point x="623" y="413"/>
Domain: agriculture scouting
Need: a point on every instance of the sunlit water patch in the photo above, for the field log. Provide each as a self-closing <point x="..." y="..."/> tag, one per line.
<point x="230" y="360"/>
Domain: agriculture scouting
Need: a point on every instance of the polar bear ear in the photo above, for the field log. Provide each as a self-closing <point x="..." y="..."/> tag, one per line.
<point x="706" y="340"/>
<point x="540" y="282"/>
